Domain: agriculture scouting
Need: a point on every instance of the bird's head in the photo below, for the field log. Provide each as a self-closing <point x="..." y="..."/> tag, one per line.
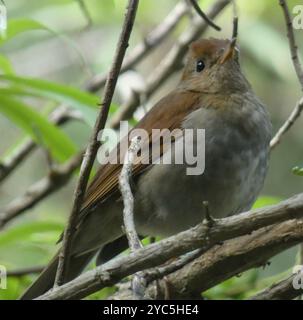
<point x="213" y="66"/>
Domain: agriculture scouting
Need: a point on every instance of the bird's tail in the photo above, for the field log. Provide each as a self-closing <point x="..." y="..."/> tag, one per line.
<point x="46" y="279"/>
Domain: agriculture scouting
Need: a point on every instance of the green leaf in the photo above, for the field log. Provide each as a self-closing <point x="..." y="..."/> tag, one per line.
<point x="25" y="231"/>
<point x="17" y="26"/>
<point x="298" y="171"/>
<point x="38" y="127"/>
<point x="80" y="100"/>
<point x="5" y="65"/>
<point x="266" y="201"/>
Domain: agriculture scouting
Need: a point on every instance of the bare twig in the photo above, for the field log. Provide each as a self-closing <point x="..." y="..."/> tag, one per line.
<point x="151" y="41"/>
<point x="292" y="42"/>
<point x="128" y="198"/>
<point x="162" y="271"/>
<point x="93" y="145"/>
<point x="86" y="13"/>
<point x="235" y="21"/>
<point x="55" y="180"/>
<point x="295" y="114"/>
<point x="11" y="164"/>
<point x="194" y="238"/>
<point x="208" y="219"/>
<point x="283" y="290"/>
<point x="138" y="282"/>
<point x="156" y="274"/>
<point x="25" y="271"/>
<point x="203" y="15"/>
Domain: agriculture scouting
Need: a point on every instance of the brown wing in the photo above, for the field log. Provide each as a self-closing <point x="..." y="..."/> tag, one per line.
<point x="178" y="104"/>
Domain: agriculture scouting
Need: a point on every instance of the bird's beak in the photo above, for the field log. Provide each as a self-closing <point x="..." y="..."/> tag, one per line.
<point x="229" y="51"/>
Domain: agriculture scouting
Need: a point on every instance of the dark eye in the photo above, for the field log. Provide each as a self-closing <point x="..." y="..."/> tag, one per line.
<point x="200" y="66"/>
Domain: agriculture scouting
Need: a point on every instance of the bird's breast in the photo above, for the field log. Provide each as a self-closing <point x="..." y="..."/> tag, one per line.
<point x="235" y="156"/>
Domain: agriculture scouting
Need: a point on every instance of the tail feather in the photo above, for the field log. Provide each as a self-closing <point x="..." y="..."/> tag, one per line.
<point x="46" y="279"/>
<point x="112" y="249"/>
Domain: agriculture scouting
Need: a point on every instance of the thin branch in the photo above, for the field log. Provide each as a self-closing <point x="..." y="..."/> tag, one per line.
<point x="292" y="42"/>
<point x="235" y="21"/>
<point x="198" y="237"/>
<point x="203" y="15"/>
<point x="156" y="274"/>
<point x="283" y="290"/>
<point x="128" y="198"/>
<point x="92" y="148"/>
<point x="86" y="13"/>
<point x="295" y="114"/>
<point x="55" y="180"/>
<point x="151" y="41"/>
<point x="138" y="282"/>
<point x="162" y="271"/>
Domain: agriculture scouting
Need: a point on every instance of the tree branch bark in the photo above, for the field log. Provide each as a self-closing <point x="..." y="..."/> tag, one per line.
<point x="283" y="290"/>
<point x="200" y="236"/>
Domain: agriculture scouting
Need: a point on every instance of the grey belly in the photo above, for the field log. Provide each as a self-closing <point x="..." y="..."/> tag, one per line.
<point x="169" y="201"/>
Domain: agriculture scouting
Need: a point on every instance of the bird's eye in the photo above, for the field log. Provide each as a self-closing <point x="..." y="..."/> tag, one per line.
<point x="200" y="66"/>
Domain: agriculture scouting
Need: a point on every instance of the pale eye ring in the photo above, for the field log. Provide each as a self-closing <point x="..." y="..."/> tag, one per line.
<point x="200" y="66"/>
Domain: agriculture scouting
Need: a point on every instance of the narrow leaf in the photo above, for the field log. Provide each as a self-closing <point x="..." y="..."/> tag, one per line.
<point x="38" y="127"/>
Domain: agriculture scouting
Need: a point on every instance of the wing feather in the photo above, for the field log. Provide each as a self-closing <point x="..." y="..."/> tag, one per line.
<point x="178" y="104"/>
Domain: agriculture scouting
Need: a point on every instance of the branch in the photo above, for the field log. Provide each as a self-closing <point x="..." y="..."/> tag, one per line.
<point x="86" y="13"/>
<point x="200" y="236"/>
<point x="92" y="148"/>
<point x="295" y="114"/>
<point x="227" y="260"/>
<point x="283" y="290"/>
<point x="235" y="21"/>
<point x="138" y="282"/>
<point x="55" y="180"/>
<point x="151" y="41"/>
<point x="203" y="15"/>
<point x="292" y="42"/>
<point x="128" y="198"/>
<point x="155" y="274"/>
<point x="232" y="258"/>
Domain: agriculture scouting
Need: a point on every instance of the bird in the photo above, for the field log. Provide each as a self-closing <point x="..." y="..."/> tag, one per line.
<point x="213" y="94"/>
